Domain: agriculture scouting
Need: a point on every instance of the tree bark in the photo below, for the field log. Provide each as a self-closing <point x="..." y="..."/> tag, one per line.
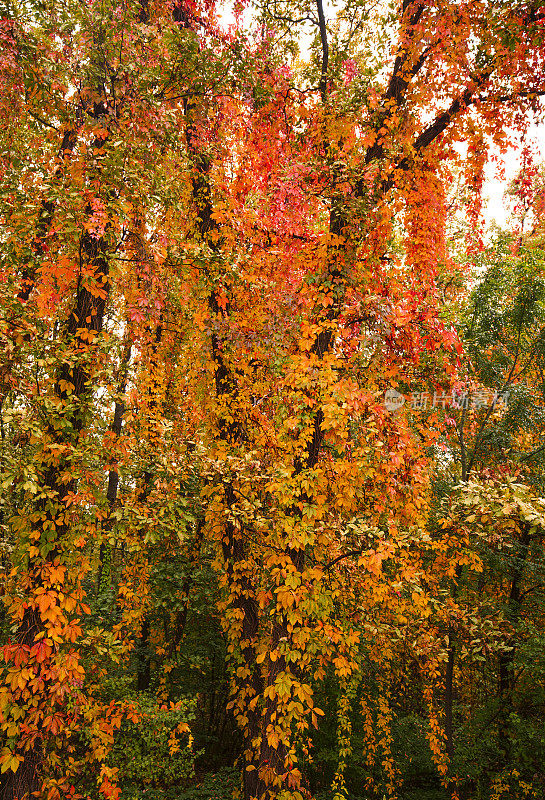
<point x="506" y="659"/>
<point x="73" y="392"/>
<point x="105" y="553"/>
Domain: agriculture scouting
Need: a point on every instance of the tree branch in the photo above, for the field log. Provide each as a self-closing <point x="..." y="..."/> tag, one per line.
<point x="325" y="50"/>
<point x="345" y="555"/>
<point x="532" y="453"/>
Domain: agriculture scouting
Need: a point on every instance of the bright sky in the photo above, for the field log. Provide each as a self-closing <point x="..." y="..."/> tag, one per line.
<point x="495" y="209"/>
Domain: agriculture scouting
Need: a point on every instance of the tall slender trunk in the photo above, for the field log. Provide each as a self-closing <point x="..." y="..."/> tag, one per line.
<point x="143" y="663"/>
<point x="449" y="675"/>
<point x="506" y="659"/>
<point x="84" y="323"/>
<point x="105" y="553"/>
<point x="38" y="249"/>
<point x="153" y="413"/>
<point x="230" y="430"/>
<point x="72" y="391"/>
<point x="181" y="616"/>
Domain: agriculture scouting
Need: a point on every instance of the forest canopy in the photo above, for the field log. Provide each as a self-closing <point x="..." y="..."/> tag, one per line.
<point x="272" y="401"/>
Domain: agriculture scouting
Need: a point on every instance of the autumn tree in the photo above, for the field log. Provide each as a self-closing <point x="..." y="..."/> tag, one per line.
<point x="373" y="157"/>
<point x="84" y="84"/>
<point x="267" y="234"/>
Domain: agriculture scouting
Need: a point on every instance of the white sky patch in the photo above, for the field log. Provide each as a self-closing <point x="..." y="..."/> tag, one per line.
<point x="226" y="15"/>
<point x="495" y="207"/>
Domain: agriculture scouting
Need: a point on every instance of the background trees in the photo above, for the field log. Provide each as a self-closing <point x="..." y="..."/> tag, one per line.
<point x="217" y="258"/>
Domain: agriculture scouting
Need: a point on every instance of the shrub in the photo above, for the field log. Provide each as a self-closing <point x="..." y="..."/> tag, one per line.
<point x="154" y="755"/>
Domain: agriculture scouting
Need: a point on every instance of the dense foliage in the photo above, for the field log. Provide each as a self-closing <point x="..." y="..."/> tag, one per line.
<point x="272" y="405"/>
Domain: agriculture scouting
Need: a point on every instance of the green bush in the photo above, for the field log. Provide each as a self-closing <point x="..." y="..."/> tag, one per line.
<point x="213" y="786"/>
<point x="154" y="755"/>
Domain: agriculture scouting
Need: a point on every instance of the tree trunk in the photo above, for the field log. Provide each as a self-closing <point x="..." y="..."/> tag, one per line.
<point x="73" y="391"/>
<point x="506" y="659"/>
<point x="449" y="677"/>
<point x="105" y="554"/>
